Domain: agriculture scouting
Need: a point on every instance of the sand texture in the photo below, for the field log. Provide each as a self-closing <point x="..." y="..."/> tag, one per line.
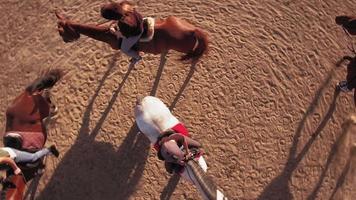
<point x="262" y="101"/>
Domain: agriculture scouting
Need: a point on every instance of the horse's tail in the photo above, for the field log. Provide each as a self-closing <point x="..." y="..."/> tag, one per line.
<point x="204" y="182"/>
<point x="200" y="48"/>
<point x="48" y="80"/>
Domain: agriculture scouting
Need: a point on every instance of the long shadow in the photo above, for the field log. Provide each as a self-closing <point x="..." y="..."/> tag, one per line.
<point x="348" y="166"/>
<point x="159" y="74"/>
<point x="334" y="150"/>
<point x="185" y="84"/>
<point x="278" y="188"/>
<point x="95" y="170"/>
<point x="32" y="188"/>
<point x="170" y="187"/>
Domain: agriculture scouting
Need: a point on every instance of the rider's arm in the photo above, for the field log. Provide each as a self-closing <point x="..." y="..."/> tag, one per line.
<point x="182" y="139"/>
<point x="192" y="142"/>
<point x="11" y="163"/>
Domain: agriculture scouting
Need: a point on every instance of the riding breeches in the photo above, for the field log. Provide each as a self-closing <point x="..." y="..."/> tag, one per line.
<point x="23" y="156"/>
<point x="128" y="43"/>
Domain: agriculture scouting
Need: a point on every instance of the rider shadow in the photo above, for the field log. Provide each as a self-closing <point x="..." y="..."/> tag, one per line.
<point x="278" y="188"/>
<point x="94" y="169"/>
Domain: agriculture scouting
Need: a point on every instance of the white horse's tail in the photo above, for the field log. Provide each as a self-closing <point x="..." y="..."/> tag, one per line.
<point x="204" y="183"/>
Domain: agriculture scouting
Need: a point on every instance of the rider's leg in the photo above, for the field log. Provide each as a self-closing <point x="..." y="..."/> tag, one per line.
<point x="128" y="43"/>
<point x="23" y="156"/>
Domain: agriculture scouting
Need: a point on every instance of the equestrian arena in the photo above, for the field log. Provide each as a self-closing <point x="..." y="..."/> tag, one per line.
<point x="262" y="101"/>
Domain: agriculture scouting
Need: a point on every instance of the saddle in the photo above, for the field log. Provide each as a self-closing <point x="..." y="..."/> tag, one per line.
<point x="27" y="141"/>
<point x="148" y="29"/>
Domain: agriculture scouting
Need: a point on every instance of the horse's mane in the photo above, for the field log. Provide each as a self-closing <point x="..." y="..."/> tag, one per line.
<point x="205" y="182"/>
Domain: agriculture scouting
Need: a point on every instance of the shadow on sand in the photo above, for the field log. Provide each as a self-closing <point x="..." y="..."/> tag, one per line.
<point x="278" y="188"/>
<point x="95" y="170"/>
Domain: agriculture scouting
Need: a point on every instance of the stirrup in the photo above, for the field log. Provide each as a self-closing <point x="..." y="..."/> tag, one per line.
<point x="135" y="60"/>
<point x="342" y="85"/>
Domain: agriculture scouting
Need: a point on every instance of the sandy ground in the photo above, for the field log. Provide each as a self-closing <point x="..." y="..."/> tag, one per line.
<point x="262" y="101"/>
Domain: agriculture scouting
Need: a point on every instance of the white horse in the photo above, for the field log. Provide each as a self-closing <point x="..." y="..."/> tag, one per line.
<point x="153" y="118"/>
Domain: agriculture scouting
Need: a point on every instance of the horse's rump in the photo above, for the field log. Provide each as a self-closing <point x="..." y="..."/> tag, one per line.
<point x="179" y="35"/>
<point x="27" y="112"/>
<point x="182" y="36"/>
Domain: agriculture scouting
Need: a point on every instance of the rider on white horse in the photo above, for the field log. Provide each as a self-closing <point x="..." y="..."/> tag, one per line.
<point x="170" y="138"/>
<point x="167" y="134"/>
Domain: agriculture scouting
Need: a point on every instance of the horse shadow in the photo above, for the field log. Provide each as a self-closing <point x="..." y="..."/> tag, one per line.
<point x="349" y="167"/>
<point x="95" y="169"/>
<point x="333" y="153"/>
<point x="278" y="187"/>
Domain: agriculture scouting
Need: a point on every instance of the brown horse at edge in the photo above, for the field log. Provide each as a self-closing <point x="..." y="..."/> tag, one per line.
<point x="170" y="33"/>
<point x="26" y="119"/>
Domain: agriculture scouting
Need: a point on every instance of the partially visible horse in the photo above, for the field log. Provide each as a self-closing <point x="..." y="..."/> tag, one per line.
<point x="153" y="118"/>
<point x="14" y="189"/>
<point x="26" y="119"/>
<point x="351" y="74"/>
<point x="348" y="23"/>
<point x="170" y="33"/>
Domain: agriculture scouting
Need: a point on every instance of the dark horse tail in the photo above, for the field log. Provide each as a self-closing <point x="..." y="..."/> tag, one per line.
<point x="205" y="182"/>
<point x="48" y="80"/>
<point x="200" y="47"/>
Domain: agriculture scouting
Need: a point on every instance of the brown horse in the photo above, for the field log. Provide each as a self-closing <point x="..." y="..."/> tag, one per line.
<point x="348" y="23"/>
<point x="26" y="128"/>
<point x="170" y="33"/>
<point x="15" y="190"/>
<point x="351" y="74"/>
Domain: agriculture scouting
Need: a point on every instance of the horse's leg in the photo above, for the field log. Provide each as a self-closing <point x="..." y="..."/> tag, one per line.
<point x="101" y="33"/>
<point x="159" y="72"/>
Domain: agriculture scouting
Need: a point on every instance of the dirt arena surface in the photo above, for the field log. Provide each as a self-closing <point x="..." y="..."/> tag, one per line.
<point x="262" y="101"/>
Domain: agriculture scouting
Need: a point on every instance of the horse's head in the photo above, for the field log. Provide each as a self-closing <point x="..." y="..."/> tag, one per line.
<point x="66" y="31"/>
<point x="116" y="10"/>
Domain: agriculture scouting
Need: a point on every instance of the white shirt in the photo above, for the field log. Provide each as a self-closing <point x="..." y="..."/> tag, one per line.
<point x="10" y="151"/>
<point x="153" y="117"/>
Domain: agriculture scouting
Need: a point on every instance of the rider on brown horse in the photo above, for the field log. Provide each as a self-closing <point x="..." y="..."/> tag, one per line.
<point x="130" y="25"/>
<point x="11" y="156"/>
